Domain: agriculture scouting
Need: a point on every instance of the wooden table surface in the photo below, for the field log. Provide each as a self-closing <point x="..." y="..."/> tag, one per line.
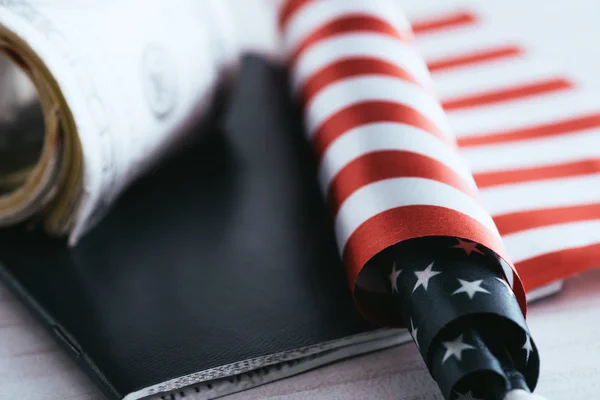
<point x="566" y="328"/>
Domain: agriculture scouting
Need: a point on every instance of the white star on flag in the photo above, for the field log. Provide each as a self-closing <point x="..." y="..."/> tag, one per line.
<point x="527" y="347"/>
<point x="503" y="281"/>
<point x="470" y="288"/>
<point x="466" y="396"/>
<point x="424" y="276"/>
<point x="455" y="348"/>
<point x="393" y="277"/>
<point x="413" y="333"/>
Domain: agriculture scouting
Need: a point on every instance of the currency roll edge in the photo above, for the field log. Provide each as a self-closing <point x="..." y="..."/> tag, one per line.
<point x="49" y="185"/>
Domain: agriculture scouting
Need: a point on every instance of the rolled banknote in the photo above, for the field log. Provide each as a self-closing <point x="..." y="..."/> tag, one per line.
<point x="94" y="93"/>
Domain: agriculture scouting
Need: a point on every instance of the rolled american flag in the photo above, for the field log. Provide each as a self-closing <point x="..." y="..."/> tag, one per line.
<point x="387" y="158"/>
<point x="403" y="200"/>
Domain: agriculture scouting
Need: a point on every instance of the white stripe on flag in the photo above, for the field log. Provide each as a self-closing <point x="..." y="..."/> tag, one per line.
<point x="360" y="45"/>
<point x="380" y="196"/>
<point x="461" y="41"/>
<point x="344" y="93"/>
<point x="533" y="152"/>
<point x="537" y="195"/>
<point x="491" y="76"/>
<point x="531" y="243"/>
<point x="388" y="136"/>
<point x="533" y="111"/>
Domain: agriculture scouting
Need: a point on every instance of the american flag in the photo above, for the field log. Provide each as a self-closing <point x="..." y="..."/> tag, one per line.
<point x="415" y="129"/>
<point x="446" y="129"/>
<point x="530" y="136"/>
<point x="387" y="156"/>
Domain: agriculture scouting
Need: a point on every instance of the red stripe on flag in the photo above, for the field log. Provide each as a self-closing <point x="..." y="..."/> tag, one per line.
<point x="370" y="112"/>
<point x="349" y="24"/>
<point x="473" y="58"/>
<point x="454" y="20"/>
<point x="289" y="8"/>
<point x="546" y="130"/>
<point x="403" y="223"/>
<point x="376" y="166"/>
<point x="575" y="168"/>
<point x="514" y="93"/>
<point x="524" y="220"/>
<point x="348" y="68"/>
<point x="548" y="268"/>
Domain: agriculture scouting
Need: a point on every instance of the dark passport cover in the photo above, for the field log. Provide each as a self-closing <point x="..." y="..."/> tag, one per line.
<point x="220" y="262"/>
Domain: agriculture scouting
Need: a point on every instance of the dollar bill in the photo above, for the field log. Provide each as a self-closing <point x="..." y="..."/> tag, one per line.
<point x="95" y="94"/>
